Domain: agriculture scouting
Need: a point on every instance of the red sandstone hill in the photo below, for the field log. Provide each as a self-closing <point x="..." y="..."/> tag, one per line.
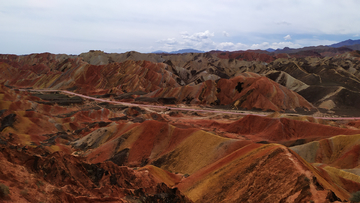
<point x="329" y="83"/>
<point x="246" y="91"/>
<point x="114" y="78"/>
<point x="64" y="178"/>
<point x="37" y="165"/>
<point x="217" y="166"/>
<point x="281" y="129"/>
<point x="261" y="173"/>
<point x="89" y="152"/>
<point x="340" y="151"/>
<point x="212" y="161"/>
<point x="60" y="148"/>
<point x="249" y="91"/>
<point x="324" y="75"/>
<point x="248" y="56"/>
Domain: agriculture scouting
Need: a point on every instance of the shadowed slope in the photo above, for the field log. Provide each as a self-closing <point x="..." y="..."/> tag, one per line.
<point x="64" y="178"/>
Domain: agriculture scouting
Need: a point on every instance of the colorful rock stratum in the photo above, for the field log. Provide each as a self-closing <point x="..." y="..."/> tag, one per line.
<point x="246" y="126"/>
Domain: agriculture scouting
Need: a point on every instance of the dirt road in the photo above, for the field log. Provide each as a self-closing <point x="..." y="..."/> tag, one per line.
<point x="175" y="108"/>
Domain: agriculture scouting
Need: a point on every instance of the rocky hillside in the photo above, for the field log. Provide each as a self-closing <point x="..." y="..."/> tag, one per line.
<point x="173" y="127"/>
<point x="150" y="82"/>
<point x="330" y="84"/>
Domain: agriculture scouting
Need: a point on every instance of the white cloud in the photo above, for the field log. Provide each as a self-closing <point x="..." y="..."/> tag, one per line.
<point x="287" y="37"/>
<point x="281" y="45"/>
<point x="137" y="24"/>
<point x="184" y="33"/>
<point x="204" y="41"/>
<point x="225" y="45"/>
<point x="263" y="45"/>
<point x="169" y="41"/>
<point x="314" y="42"/>
<point x="199" y="40"/>
<point x="274" y="45"/>
<point x="229" y="46"/>
<point x="198" y="36"/>
<point x="282" y="23"/>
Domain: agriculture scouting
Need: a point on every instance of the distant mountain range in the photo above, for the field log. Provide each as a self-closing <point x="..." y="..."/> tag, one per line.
<point x="347" y="44"/>
<point x="344" y="46"/>
<point x="181" y="51"/>
<point x="270" y="50"/>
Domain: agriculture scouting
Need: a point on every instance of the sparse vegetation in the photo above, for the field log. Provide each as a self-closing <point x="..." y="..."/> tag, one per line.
<point x="355" y="197"/>
<point x="23" y="192"/>
<point x="39" y="183"/>
<point x="4" y="190"/>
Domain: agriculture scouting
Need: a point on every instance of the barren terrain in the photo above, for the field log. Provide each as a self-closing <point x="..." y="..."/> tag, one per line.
<point x="248" y="126"/>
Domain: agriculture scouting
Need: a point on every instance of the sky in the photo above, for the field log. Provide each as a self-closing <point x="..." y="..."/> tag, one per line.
<point x="117" y="26"/>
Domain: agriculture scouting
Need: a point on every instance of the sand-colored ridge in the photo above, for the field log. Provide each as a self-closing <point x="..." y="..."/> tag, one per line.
<point x="173" y="149"/>
<point x="236" y="180"/>
<point x="195" y="152"/>
<point x="339" y="151"/>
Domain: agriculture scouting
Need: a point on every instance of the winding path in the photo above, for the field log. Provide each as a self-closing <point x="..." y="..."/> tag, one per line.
<point x="172" y="108"/>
